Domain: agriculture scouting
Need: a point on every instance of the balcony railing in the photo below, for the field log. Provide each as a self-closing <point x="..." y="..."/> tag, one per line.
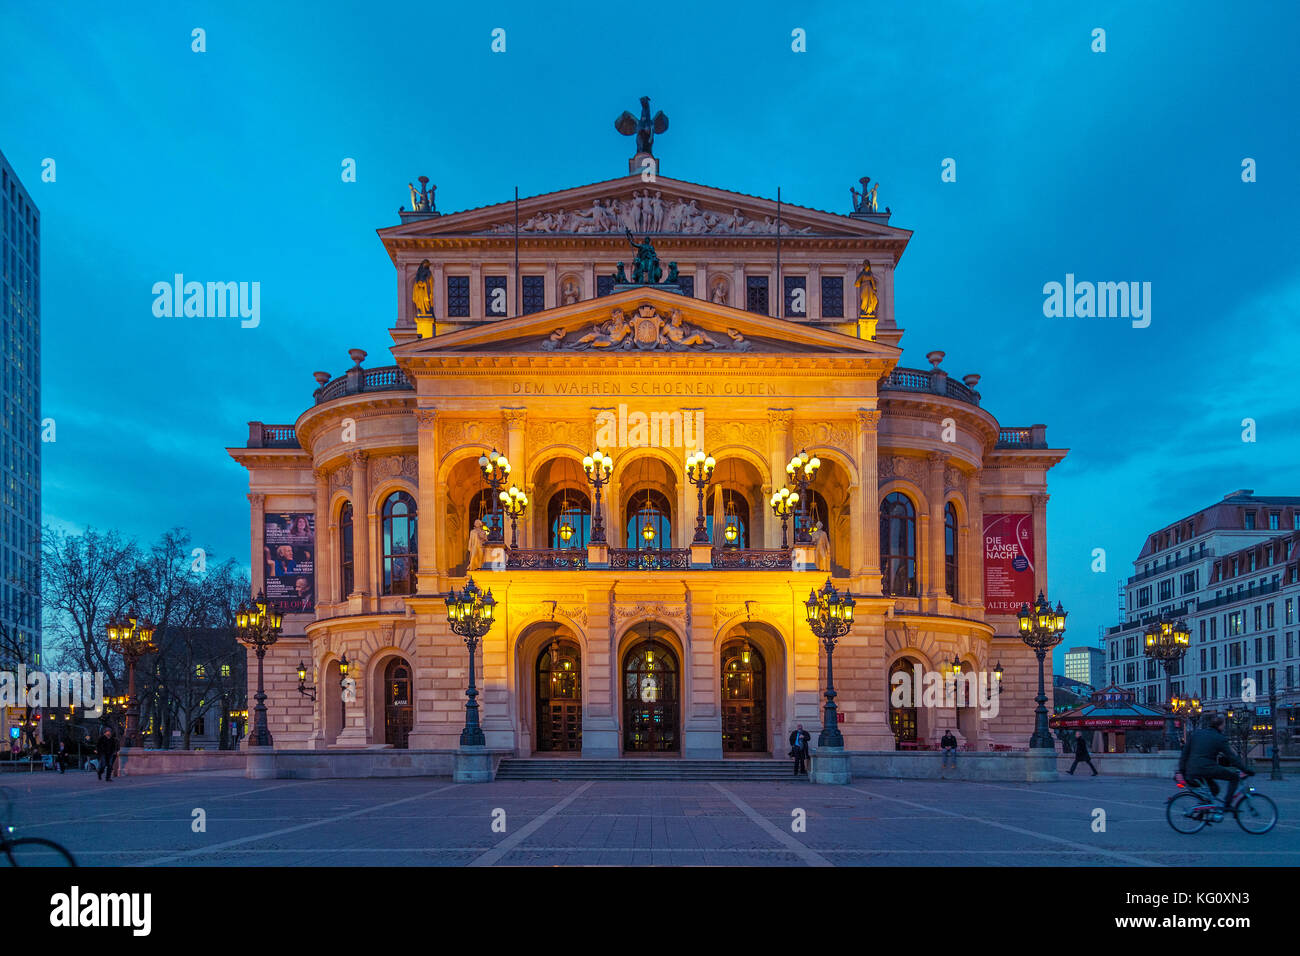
<point x="547" y="559"/>
<point x="636" y="559"/>
<point x="261" y="435"/>
<point x="387" y="378"/>
<point x="933" y="382"/>
<point x="1035" y="436"/>
<point x="752" y="558"/>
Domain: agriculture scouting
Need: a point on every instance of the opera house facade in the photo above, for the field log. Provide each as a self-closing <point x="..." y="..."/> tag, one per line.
<point x="644" y="318"/>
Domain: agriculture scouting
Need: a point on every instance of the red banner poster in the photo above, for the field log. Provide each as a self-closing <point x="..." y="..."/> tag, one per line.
<point x="1008" y="562"/>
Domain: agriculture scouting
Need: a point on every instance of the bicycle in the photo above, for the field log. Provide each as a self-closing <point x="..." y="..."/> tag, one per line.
<point x="28" y="851"/>
<point x="1194" y="808"/>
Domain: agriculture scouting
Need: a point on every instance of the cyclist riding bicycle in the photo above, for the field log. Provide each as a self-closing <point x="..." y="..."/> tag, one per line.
<point x="1200" y="759"/>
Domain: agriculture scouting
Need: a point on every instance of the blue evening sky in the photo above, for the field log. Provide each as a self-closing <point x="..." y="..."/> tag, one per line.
<point x="225" y="165"/>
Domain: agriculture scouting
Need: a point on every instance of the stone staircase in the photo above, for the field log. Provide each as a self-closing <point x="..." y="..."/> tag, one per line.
<point x="516" y="768"/>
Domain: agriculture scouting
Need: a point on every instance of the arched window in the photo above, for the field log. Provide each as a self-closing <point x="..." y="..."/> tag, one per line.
<point x="400" y="546"/>
<point x="568" y="513"/>
<point x="950" y="549"/>
<point x="732" y="510"/>
<point x="649" y="521"/>
<point x="345" y="550"/>
<point x="898" y="546"/>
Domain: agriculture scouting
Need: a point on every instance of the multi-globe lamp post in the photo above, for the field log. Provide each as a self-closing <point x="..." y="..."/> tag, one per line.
<point x="257" y="625"/>
<point x="1167" y="640"/>
<point x="597" y="466"/>
<point x="496" y="472"/>
<point x="514" y="502"/>
<point x="1041" y="628"/>
<point x="699" y="472"/>
<point x="800" y="472"/>
<point x="830" y="617"/>
<point x="470" y="614"/>
<point x="131" y="636"/>
<point x="784" y="503"/>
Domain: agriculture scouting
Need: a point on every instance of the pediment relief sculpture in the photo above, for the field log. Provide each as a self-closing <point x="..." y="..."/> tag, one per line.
<point x="648" y="211"/>
<point x="646" y="329"/>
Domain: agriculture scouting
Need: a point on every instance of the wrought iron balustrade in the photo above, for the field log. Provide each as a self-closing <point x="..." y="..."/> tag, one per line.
<point x="766" y="559"/>
<point x="546" y="559"/>
<point x="636" y="559"/>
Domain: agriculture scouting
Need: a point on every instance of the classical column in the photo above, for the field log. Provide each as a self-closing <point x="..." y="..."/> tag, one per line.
<point x="439" y="304"/>
<point x="257" y="520"/>
<point x="551" y="294"/>
<point x="589" y="281"/>
<point x="813" y="296"/>
<point x="972" y="556"/>
<point x="516" y="419"/>
<point x="869" y="516"/>
<point x="361" y="538"/>
<point x="739" y="297"/>
<point x="778" y="455"/>
<point x="934" y="493"/>
<point x="702" y="281"/>
<point x="325" y="560"/>
<point x="1040" y="542"/>
<point x="430" y="518"/>
<point x="477" y="305"/>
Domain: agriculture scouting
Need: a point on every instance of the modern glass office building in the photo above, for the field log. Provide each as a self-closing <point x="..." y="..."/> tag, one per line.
<point x="20" y="424"/>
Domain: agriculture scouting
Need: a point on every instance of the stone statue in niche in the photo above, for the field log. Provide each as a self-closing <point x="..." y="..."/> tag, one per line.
<point x="569" y="292"/>
<point x="720" y="293"/>
<point x="866" y="286"/>
<point x="477" y="542"/>
<point x="422" y="291"/>
<point x="821" y="543"/>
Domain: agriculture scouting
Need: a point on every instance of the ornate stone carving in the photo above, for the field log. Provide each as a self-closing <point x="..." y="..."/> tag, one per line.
<point x="954" y="479"/>
<point x="454" y="433"/>
<point x="646" y="330"/>
<point x="898" y="466"/>
<point x="869" y="417"/>
<point x="559" y="432"/>
<point x="390" y="466"/>
<point x="656" y="611"/>
<point x="426" y="416"/>
<point x="837" y="434"/>
<point x="780" y="417"/>
<point x="649" y="211"/>
<point x="515" y="417"/>
<point x="341" y="478"/>
<point x="752" y="435"/>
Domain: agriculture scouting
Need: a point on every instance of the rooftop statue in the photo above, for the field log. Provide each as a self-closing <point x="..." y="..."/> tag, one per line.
<point x="866" y="201"/>
<point x="645" y="128"/>
<point x="645" y="268"/>
<point x="422" y="200"/>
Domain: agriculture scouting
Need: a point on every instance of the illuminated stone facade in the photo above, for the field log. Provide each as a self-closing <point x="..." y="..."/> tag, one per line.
<point x="766" y="366"/>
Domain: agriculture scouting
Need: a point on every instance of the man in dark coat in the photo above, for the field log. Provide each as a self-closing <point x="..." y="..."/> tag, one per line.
<point x="1200" y="758"/>
<point x="799" y="739"/>
<point x="106" y="748"/>
<point x="1081" y="755"/>
<point x="61" y="756"/>
<point x="948" y="744"/>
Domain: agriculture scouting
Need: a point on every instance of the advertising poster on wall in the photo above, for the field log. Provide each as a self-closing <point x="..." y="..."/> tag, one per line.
<point x="1008" y="562"/>
<point x="289" y="550"/>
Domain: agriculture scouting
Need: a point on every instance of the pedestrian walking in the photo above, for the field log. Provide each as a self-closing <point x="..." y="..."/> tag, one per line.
<point x="61" y="756"/>
<point x="799" y="739"/>
<point x="106" y="748"/>
<point x="1081" y="755"/>
<point x="948" y="744"/>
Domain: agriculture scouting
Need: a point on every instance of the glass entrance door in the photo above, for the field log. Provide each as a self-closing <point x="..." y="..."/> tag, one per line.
<point x="559" y="698"/>
<point x="651" y="709"/>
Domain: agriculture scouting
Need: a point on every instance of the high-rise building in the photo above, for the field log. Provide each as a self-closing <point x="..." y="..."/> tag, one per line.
<point x="1086" y="665"/>
<point x="1231" y="572"/>
<point x="20" y="424"/>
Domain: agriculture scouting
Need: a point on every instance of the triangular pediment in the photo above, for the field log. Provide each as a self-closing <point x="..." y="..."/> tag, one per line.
<point x="666" y="207"/>
<point x="645" y="320"/>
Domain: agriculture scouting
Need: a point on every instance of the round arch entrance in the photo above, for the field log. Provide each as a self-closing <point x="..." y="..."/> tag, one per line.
<point x="744" y="698"/>
<point x="651" y="699"/>
<point x="902" y="720"/>
<point x="559" y="697"/>
<point x="398" y="709"/>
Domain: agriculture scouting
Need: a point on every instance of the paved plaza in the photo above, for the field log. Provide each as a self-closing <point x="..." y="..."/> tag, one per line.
<point x="148" y="821"/>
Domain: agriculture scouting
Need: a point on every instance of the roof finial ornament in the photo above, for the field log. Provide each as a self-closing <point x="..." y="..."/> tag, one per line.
<point x="645" y="130"/>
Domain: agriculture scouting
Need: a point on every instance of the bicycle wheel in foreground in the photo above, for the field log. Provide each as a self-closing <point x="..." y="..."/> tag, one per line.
<point x="1256" y="813"/>
<point x="1180" y="809"/>
<point x="33" y="851"/>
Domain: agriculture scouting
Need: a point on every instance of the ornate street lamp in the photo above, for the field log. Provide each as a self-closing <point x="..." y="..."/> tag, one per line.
<point x="1189" y="708"/>
<point x="257" y="625"/>
<point x="132" y="637"/>
<point x="515" y="503"/>
<point x="997" y="677"/>
<point x="1042" y="629"/>
<point x="784" y="503"/>
<point x="830" y="616"/>
<point x="496" y="471"/>
<point x="308" y="692"/>
<point x="699" y="471"/>
<point x="597" y="465"/>
<point x="469" y="614"/>
<point x="800" y="473"/>
<point x="1167" y="640"/>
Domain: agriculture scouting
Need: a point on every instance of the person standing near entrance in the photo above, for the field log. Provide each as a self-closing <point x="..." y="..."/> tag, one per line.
<point x="948" y="744"/>
<point x="799" y="740"/>
<point x="107" y="749"/>
<point x="1081" y="754"/>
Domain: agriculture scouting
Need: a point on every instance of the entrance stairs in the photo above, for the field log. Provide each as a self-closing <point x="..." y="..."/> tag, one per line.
<point x="522" y="768"/>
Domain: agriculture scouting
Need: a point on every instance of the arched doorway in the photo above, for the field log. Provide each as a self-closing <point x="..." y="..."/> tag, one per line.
<point x="333" y="725"/>
<point x="902" y="719"/>
<point x="651" y="699"/>
<point x="398" y="709"/>
<point x="744" y="698"/>
<point x="559" y="697"/>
